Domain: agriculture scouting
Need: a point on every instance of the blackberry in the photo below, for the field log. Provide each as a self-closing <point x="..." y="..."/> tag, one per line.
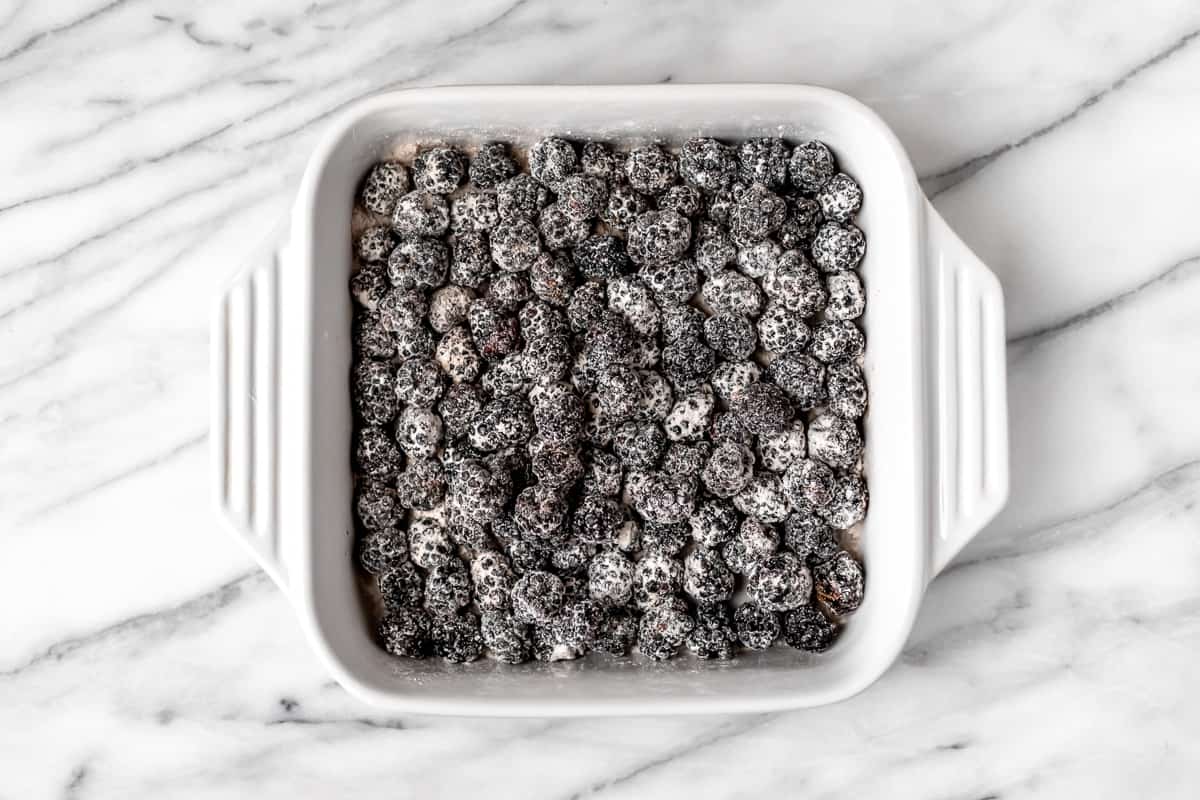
<point x="439" y="170"/>
<point x="619" y="390"/>
<point x="778" y="451"/>
<point x="421" y="214"/>
<point x="781" y="582"/>
<point x="610" y="578"/>
<point x="763" y="160"/>
<point x="806" y="628"/>
<point x="516" y="245"/>
<point x="755" y="215"/>
<point x="728" y="470"/>
<point x="447" y="587"/>
<point x="601" y="258"/>
<point x="602" y="474"/>
<point x="834" y="440"/>
<point x="662" y="630"/>
<point x="492" y="579"/>
<point x="803" y="219"/>
<point x="405" y="632"/>
<point x="759" y="258"/>
<point x="506" y="640"/>
<point x="551" y="160"/>
<point x="375" y="504"/>
<point x="491" y="166"/>
<point x="375" y="392"/>
<point x="809" y="536"/>
<point x="582" y="197"/>
<point x="811" y="166"/>
<point x="840" y="198"/>
<point x="690" y="416"/>
<point x="374" y="244"/>
<point x="656" y="399"/>
<point x="380" y="550"/>
<point x="848" y="505"/>
<point x="713" y="636"/>
<point x="369" y="285"/>
<point x="753" y="542"/>
<point x="428" y="544"/>
<point x="666" y="498"/>
<point x="763" y="498"/>
<point x="846" y="297"/>
<point x="673" y="282"/>
<point x="401" y="587"/>
<point x="418" y="432"/>
<point x="685" y="458"/>
<point x="685" y="200"/>
<point x="559" y="230"/>
<point x="795" y="284"/>
<point x="714" y="523"/>
<point x="639" y="444"/>
<point x="418" y="382"/>
<point x="650" y="169"/>
<point x="732" y="292"/>
<point x="846" y="388"/>
<point x="757" y="627"/>
<point x="618" y="631"/>
<point x="836" y="339"/>
<point x="557" y="466"/>
<point x="456" y="355"/>
<point x="456" y="637"/>
<point x="494" y="331"/>
<point x="541" y="320"/>
<point x="623" y="208"/>
<point x="634" y="301"/>
<point x="837" y="248"/>
<point x="713" y="249"/>
<point x="597" y="160"/>
<point x="657" y="237"/>
<point x="706" y="578"/>
<point x="385" y="184"/>
<point x="782" y="330"/>
<point x="707" y="164"/>
<point x="731" y="335"/>
<point x="422" y="484"/>
<point x="681" y="322"/>
<point x="730" y="376"/>
<point x="801" y="377"/>
<point x="470" y="258"/>
<point x="667" y="538"/>
<point x="448" y="307"/>
<point x="687" y="361"/>
<point x="371" y="339"/>
<point x="520" y="198"/>
<point x="376" y="454"/>
<point x="761" y="408"/>
<point x="536" y="597"/>
<point x="418" y="262"/>
<point x="541" y="513"/>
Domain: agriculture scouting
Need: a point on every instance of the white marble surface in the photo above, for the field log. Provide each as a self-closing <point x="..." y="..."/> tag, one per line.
<point x="144" y="144"/>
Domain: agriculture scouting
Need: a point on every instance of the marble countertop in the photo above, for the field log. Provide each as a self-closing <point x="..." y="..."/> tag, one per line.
<point x="146" y="144"/>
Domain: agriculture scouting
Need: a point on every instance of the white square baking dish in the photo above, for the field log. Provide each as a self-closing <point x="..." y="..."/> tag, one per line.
<point x="936" y="458"/>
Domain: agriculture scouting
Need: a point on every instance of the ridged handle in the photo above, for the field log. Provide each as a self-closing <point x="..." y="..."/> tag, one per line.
<point x="245" y="408"/>
<point x="969" y="390"/>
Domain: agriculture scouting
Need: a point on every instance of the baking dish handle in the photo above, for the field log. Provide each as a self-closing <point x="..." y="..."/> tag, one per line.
<point x="969" y="391"/>
<point x="244" y="431"/>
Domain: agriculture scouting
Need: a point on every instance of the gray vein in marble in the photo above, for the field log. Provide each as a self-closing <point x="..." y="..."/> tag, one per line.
<point x="75" y="781"/>
<point x="131" y="471"/>
<point x="941" y="182"/>
<point x="163" y="623"/>
<point x="1180" y="270"/>
<point x="733" y="728"/>
<point x="75" y="23"/>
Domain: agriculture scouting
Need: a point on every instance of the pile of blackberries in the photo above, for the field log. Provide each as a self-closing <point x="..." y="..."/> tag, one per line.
<point x="598" y="398"/>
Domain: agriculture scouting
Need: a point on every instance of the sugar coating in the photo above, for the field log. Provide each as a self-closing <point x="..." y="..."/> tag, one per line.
<point x="809" y="484"/>
<point x="707" y="164"/>
<point x="778" y="451"/>
<point x="752" y="542"/>
<point x="662" y="631"/>
<point x="690" y="416"/>
<point x="421" y="213"/>
<point x="834" y="440"/>
<point x="713" y="635"/>
<point x="379" y="550"/>
<point x="405" y="632"/>
<point x="551" y="160"/>
<point x="729" y="469"/>
<point x="384" y="185"/>
<point x="782" y="330"/>
<point x="801" y="377"/>
<point x="847" y="299"/>
<point x="806" y="628"/>
<point x="714" y="523"/>
<point x="811" y="166"/>
<point x="840" y="198"/>
<point x="657" y="237"/>
<point x="763" y="498"/>
<point x="506" y="640"/>
<point x="457" y="637"/>
<point x="780" y="582"/>
<point x="650" y="169"/>
<point x="706" y="577"/>
<point x="491" y="165"/>
<point x="757" y="627"/>
<point x="795" y="284"/>
<point x="610" y="578"/>
<point x="730" y="376"/>
<point x="838" y="247"/>
<point x="764" y="160"/>
<point x="732" y="292"/>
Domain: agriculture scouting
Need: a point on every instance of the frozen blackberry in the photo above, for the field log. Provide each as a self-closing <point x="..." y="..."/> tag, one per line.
<point x="474" y="211"/>
<point x="690" y="416"/>
<point x="714" y="523"/>
<point x="846" y="297"/>
<point x="755" y="215"/>
<point x="763" y="160"/>
<point x="713" y="248"/>
<point x="520" y="198"/>
<point x="728" y="470"/>
<point x="840" y="198"/>
<point x="418" y="262"/>
<point x="610" y="578"/>
<point x="727" y="427"/>
<point x="456" y="637"/>
<point x="421" y="214"/>
<point x="428" y="544"/>
<point x="639" y="444"/>
<point x="448" y="307"/>
<point x="801" y="377"/>
<point x="552" y="277"/>
<point x="551" y="160"/>
<point x="803" y="220"/>
<point x="375" y="392"/>
<point x="602" y="473"/>
<point x="837" y="248"/>
<point x="809" y="536"/>
<point x="811" y="166"/>
<point x="556" y="465"/>
<point x="763" y="498"/>
<point x="629" y="536"/>
<point x="759" y="258"/>
<point x="578" y="624"/>
<point x="761" y="408"/>
<point x="597" y="160"/>
<point x="439" y="170"/>
<point x="839" y="584"/>
<point x="569" y="559"/>
<point x="422" y="484"/>
<point x="494" y="331"/>
<point x="809" y="484"/>
<point x="658" y="237"/>
<point x="650" y="169"/>
<point x="369" y="285"/>
<point x="619" y="390"/>
<point x="656" y="399"/>
<point x="504" y="422"/>
<point x="730" y="376"/>
<point x="731" y="335"/>
<point x="753" y="542"/>
<point x="541" y="513"/>
<point x="618" y="631"/>
<point x="795" y="284"/>
<point x="707" y="164"/>
<point x="806" y="628"/>
<point x="623" y="208"/>
<point x="377" y="455"/>
<point x="782" y="330"/>
<point x="666" y="498"/>
<point x="847" y="389"/>
<point x="529" y="555"/>
<point x="384" y="185"/>
<point x="560" y="231"/>
<point x="374" y="244"/>
<point x="376" y="505"/>
<point x="515" y="245"/>
<point x="681" y="322"/>
<point x="667" y="538"/>
<point x="380" y="550"/>
<point x="491" y="166"/>
<point x="510" y="290"/>
<point x="405" y="632"/>
<point x="418" y="432"/>
<point x="706" y="578"/>
<point x="634" y="301"/>
<point x="541" y="320"/>
<point x="848" y="506"/>
<point x="456" y="355"/>
<point x="835" y="440"/>
<point x="781" y="582"/>
<point x="757" y="627"/>
<point x="646" y="352"/>
<point x="492" y="579"/>
<point x="371" y="339"/>
<point x="401" y="587"/>
<point x="470" y="259"/>
<point x="418" y="382"/>
<point x="673" y="282"/>
<point x="662" y="630"/>
<point x="601" y="258"/>
<point x="778" y="451"/>
<point x="713" y="636"/>
<point x="459" y="407"/>
<point x="536" y="597"/>
<point x="686" y="458"/>
<point x="581" y="197"/>
<point x="685" y="200"/>
<point x="447" y="587"/>
<point x="413" y="343"/>
<point x="687" y="361"/>
<point x="836" y="339"/>
<point x="506" y="639"/>
<point x="732" y="292"/>
<point x="720" y="204"/>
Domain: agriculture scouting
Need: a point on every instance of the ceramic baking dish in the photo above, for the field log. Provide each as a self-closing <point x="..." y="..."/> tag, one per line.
<point x="936" y="458"/>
